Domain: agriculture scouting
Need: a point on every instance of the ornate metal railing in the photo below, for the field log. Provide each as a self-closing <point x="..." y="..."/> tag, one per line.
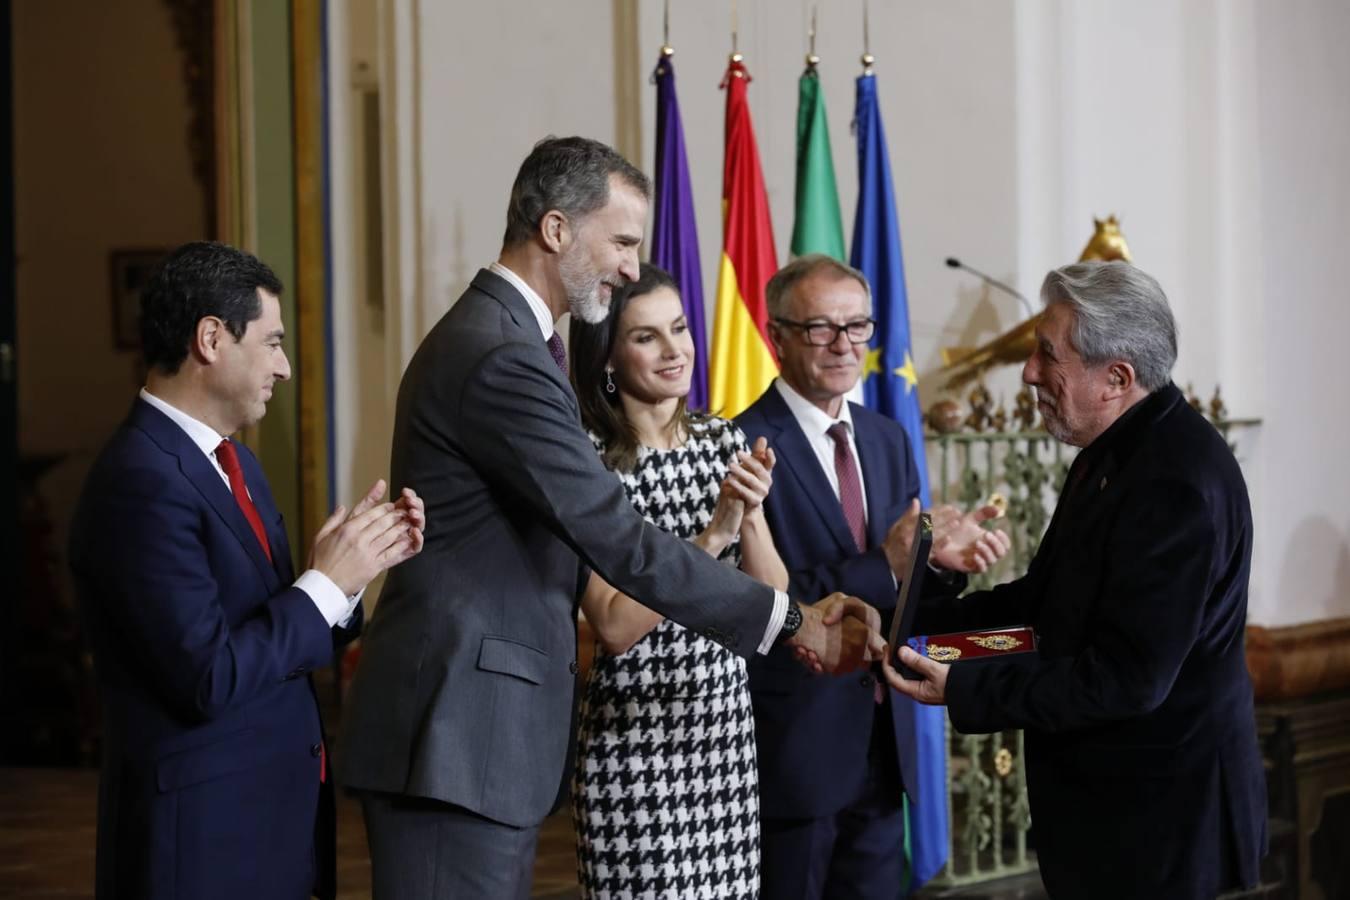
<point x="971" y="460"/>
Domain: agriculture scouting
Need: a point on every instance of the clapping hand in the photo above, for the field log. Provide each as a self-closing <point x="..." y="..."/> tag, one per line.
<point x="961" y="543"/>
<point x="750" y="475"/>
<point x="352" y="548"/>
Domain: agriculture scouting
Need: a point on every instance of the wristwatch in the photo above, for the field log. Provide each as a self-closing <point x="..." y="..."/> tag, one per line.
<point x="791" y="622"/>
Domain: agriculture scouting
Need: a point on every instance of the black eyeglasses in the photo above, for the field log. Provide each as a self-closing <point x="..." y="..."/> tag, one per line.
<point x="823" y="334"/>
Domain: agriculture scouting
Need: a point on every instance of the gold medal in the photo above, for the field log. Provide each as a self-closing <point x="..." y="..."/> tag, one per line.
<point x="996" y="641"/>
<point x="943" y="653"/>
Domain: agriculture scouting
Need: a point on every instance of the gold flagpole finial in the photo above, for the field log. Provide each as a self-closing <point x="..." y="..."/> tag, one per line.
<point x="666" y="49"/>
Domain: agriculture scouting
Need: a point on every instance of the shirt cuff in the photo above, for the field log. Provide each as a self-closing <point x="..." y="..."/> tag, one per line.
<point x="354" y="601"/>
<point x="780" y="605"/>
<point x="335" y="608"/>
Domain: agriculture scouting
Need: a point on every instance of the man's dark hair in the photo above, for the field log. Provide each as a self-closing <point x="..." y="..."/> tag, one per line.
<point x="570" y="175"/>
<point x="197" y="280"/>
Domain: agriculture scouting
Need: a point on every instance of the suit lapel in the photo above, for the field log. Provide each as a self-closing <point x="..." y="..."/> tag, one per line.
<point x="203" y="475"/>
<point x="803" y="464"/>
<point x="501" y="290"/>
<point x="271" y="517"/>
<point x="498" y="288"/>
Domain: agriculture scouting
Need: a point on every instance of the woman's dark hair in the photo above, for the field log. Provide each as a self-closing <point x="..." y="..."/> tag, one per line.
<point x="197" y="280"/>
<point x="592" y="346"/>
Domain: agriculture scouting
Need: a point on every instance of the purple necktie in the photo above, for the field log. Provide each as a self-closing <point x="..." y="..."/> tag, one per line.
<point x="555" y="346"/>
<point x="850" y="487"/>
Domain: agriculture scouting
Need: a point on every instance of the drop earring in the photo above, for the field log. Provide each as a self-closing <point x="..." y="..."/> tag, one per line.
<point x="609" y="381"/>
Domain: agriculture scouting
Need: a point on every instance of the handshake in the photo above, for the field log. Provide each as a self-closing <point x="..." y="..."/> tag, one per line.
<point x="839" y="634"/>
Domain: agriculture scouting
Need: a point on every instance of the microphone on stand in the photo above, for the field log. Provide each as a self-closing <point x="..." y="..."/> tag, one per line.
<point x="955" y="263"/>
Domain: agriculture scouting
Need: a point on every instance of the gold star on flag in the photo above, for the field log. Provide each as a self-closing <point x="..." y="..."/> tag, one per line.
<point x="872" y="364"/>
<point x="907" y="372"/>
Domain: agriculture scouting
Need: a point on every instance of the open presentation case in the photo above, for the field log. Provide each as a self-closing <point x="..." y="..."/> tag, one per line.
<point x="956" y="647"/>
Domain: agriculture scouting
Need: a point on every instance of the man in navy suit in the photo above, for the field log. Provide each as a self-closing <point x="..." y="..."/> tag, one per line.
<point x="1143" y="770"/>
<point x="842" y="512"/>
<point x="215" y="780"/>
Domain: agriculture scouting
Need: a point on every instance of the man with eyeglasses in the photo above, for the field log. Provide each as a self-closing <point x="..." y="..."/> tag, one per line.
<point x="842" y="511"/>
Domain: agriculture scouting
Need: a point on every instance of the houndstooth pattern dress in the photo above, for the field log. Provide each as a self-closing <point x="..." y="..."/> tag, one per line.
<point x="665" y="794"/>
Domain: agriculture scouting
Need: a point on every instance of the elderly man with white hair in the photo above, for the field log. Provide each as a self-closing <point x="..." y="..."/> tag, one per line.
<point x="1143" y="769"/>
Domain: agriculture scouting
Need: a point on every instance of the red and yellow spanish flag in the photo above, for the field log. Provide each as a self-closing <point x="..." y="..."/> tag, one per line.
<point x="743" y="362"/>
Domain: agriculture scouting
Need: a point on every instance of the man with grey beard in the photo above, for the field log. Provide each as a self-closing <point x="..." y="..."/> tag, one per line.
<point x="457" y="731"/>
<point x="1143" y="770"/>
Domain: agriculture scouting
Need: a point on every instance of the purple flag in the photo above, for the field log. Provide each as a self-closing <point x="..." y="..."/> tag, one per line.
<point x="675" y="238"/>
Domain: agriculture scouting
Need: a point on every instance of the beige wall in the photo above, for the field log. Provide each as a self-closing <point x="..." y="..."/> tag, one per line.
<point x="101" y="162"/>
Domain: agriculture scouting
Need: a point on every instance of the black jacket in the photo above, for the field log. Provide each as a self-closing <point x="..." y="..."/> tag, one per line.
<point x="1144" y="773"/>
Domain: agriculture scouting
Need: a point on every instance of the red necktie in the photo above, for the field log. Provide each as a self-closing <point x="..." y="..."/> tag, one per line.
<point x="228" y="458"/>
<point x="850" y="487"/>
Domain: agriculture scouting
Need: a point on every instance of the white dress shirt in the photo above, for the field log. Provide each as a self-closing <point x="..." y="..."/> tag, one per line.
<point x="536" y="303"/>
<point x="326" y="596"/>
<point x="815" y="424"/>
<point x="545" y="320"/>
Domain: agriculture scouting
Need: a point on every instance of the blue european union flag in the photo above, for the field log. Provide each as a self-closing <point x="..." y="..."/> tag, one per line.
<point x="890" y="386"/>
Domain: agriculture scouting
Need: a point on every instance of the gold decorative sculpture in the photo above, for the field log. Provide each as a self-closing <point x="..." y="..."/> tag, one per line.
<point x="1024" y="409"/>
<point x="999" y="421"/>
<point x="1107" y="243"/>
<point x="1193" y="398"/>
<point x="1217" y="410"/>
<point x="946" y="416"/>
<point x="981" y="414"/>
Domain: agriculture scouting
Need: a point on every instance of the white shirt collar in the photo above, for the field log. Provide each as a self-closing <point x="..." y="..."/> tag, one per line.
<point x="810" y="417"/>
<point x="536" y="303"/>
<point x="201" y="434"/>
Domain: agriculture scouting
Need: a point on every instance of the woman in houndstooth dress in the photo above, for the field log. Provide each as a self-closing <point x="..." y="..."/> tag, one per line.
<point x="665" y="795"/>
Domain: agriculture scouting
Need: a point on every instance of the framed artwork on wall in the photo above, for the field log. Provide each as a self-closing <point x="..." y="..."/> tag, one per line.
<point x="130" y="269"/>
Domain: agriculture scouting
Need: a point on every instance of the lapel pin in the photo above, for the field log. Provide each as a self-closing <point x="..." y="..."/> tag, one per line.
<point x="1102" y="486"/>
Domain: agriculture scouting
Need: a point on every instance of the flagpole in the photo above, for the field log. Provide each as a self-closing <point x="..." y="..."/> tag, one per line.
<point x="867" y="57"/>
<point x="735" y="29"/>
<point x="811" y="59"/>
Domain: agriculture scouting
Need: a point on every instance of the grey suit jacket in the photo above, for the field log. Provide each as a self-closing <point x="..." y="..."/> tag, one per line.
<point x="465" y="687"/>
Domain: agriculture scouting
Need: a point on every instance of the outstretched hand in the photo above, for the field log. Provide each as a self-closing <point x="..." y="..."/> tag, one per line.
<point x="961" y="543"/>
